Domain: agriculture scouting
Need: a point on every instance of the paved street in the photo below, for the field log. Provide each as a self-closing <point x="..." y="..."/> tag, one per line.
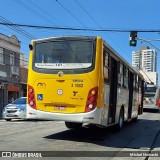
<point x="20" y="135"/>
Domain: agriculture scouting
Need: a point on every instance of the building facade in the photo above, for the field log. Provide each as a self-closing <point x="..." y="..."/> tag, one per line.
<point x="10" y="88"/>
<point x="23" y="60"/>
<point x="146" y="60"/>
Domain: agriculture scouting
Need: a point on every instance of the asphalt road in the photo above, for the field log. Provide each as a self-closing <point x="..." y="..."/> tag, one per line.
<point x="137" y="140"/>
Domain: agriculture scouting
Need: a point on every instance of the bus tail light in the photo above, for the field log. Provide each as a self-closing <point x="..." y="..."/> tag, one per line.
<point x="31" y="97"/>
<point x="158" y="102"/>
<point x="92" y="99"/>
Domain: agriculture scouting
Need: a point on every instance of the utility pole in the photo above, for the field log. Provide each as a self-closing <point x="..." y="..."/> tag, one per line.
<point x="149" y="41"/>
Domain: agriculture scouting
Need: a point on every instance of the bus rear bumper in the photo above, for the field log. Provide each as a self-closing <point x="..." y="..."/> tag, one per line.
<point x="88" y="117"/>
<point x="151" y="107"/>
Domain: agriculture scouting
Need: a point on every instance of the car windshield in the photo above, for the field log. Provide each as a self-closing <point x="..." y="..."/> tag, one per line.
<point x="20" y="101"/>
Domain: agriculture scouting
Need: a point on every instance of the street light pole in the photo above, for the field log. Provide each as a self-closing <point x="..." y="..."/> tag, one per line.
<point x="149" y="41"/>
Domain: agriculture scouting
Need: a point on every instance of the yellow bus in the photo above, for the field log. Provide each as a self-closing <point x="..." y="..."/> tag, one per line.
<point x="82" y="80"/>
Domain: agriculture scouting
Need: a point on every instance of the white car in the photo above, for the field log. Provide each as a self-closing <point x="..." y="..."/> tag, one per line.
<point x="15" y="110"/>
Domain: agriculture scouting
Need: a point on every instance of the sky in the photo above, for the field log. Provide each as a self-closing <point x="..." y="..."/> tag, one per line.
<point x="141" y="15"/>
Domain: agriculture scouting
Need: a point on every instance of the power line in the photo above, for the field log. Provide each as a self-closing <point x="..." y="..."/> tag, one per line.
<point x="32" y="10"/>
<point x="78" y="29"/>
<point x="73" y="16"/>
<point x="71" y="13"/>
<point x="21" y="37"/>
<point x="45" y="12"/>
<point x="16" y="28"/>
<point x="100" y="27"/>
<point x="88" y="14"/>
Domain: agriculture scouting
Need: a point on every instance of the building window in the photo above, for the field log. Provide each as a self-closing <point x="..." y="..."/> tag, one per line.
<point x="12" y="59"/>
<point x="1" y="55"/>
<point x="106" y="66"/>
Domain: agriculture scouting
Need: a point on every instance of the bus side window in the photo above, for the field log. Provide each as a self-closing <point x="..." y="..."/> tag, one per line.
<point x="120" y="76"/>
<point x="135" y="83"/>
<point x="125" y="77"/>
<point x="106" y="66"/>
<point x="139" y="84"/>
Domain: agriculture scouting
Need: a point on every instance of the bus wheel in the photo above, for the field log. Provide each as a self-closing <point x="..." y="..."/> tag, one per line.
<point x="8" y="119"/>
<point x="135" y="119"/>
<point x="120" y="121"/>
<point x="73" y="125"/>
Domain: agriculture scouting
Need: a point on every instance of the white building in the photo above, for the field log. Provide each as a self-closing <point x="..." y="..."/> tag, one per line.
<point x="136" y="59"/>
<point x="23" y="60"/>
<point x="146" y="61"/>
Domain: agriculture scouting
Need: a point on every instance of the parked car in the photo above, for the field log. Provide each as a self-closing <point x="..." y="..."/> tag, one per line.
<point x="15" y="110"/>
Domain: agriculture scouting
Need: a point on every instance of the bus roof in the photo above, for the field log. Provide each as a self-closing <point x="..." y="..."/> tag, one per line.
<point x="153" y="85"/>
<point x="93" y="38"/>
<point x="122" y="59"/>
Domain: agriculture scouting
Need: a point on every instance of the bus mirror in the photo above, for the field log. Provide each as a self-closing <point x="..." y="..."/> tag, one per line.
<point x="30" y="47"/>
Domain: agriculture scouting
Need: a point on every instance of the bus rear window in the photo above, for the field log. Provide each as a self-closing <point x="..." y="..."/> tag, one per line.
<point x="150" y="89"/>
<point x="66" y="54"/>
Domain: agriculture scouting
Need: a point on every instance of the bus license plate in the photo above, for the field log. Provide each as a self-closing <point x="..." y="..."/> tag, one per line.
<point x="10" y="115"/>
<point x="60" y="108"/>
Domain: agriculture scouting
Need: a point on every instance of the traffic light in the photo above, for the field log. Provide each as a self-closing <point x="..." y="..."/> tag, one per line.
<point x="133" y="38"/>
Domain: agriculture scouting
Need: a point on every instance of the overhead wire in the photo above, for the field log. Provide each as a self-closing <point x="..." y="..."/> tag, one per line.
<point x="16" y="28"/>
<point x="73" y="16"/>
<point x="39" y="11"/>
<point x="70" y="28"/>
<point x="81" y="24"/>
<point x="95" y="23"/>
<point x="34" y="11"/>
<point x="78" y="29"/>
<point x="66" y="28"/>
<point x="45" y="12"/>
<point x="71" y="13"/>
<point x="99" y="26"/>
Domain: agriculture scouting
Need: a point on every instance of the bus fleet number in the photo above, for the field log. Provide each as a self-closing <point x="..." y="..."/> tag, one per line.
<point x="76" y="85"/>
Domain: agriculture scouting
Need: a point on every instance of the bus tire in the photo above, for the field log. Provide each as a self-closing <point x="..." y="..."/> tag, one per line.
<point x="135" y="119"/>
<point x="120" y="121"/>
<point x="8" y="119"/>
<point x="73" y="125"/>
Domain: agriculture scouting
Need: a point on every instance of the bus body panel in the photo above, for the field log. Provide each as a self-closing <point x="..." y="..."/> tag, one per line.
<point x="65" y="97"/>
<point x="92" y="117"/>
<point x="66" y="94"/>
